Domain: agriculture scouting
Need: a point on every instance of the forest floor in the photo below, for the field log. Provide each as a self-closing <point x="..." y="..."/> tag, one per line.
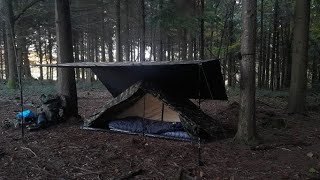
<point x="290" y="148"/>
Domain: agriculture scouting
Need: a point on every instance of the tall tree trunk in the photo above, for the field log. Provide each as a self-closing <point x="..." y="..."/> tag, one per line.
<point x="50" y="51"/>
<point x="89" y="58"/>
<point x="190" y="47"/>
<point x="96" y="48"/>
<point x="289" y="37"/>
<point x="143" y="32"/>
<point x="160" y="45"/>
<point x="247" y="124"/>
<point x="184" y="44"/>
<point x="118" y="32"/>
<point x="76" y="52"/>
<point x="260" y="66"/>
<point x="1" y="61"/>
<point x="267" y="83"/>
<point x="263" y="68"/>
<point x="103" y="36"/>
<point x="274" y="46"/>
<point x="127" y="32"/>
<point x="277" y="51"/>
<point x="169" y="48"/>
<point x="40" y="52"/>
<point x="110" y="42"/>
<point x="230" y="41"/>
<point x="298" y="84"/>
<point x="202" y="31"/>
<point x="5" y="47"/>
<point x="82" y="54"/>
<point x="12" y="65"/>
<point x="66" y="76"/>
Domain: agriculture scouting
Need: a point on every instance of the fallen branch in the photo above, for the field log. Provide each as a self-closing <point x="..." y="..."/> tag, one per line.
<point x="276" y="145"/>
<point x="131" y="175"/>
<point x="87" y="172"/>
<point x="25" y="148"/>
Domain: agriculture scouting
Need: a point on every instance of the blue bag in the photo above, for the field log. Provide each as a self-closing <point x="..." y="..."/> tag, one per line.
<point x="27" y="114"/>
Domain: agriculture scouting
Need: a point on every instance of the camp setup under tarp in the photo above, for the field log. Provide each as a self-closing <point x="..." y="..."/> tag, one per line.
<point x="153" y="98"/>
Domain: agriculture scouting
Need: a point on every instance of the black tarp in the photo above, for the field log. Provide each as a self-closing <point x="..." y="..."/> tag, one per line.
<point x="188" y="80"/>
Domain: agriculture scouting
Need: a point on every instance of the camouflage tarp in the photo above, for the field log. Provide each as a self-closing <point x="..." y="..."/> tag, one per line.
<point x="194" y="120"/>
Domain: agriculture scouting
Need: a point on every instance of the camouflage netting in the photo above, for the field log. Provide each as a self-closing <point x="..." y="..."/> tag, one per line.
<point x="193" y="119"/>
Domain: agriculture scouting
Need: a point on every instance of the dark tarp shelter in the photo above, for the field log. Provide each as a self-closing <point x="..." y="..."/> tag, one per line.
<point x="162" y="89"/>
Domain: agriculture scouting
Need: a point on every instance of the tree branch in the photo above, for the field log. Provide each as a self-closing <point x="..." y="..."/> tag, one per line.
<point x="25" y="9"/>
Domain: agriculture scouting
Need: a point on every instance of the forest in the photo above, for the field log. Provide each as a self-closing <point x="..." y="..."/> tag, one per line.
<point x="268" y="52"/>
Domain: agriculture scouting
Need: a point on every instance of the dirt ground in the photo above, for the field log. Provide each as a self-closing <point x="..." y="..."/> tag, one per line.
<point x="290" y="149"/>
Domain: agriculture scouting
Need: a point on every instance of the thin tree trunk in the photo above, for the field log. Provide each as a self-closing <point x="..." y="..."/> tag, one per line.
<point x="160" y="40"/>
<point x="5" y="47"/>
<point x="267" y="83"/>
<point x="127" y="32"/>
<point x="40" y="53"/>
<point x="289" y="58"/>
<point x="110" y="43"/>
<point x="50" y="49"/>
<point x="118" y="33"/>
<point x="190" y="47"/>
<point x="76" y="53"/>
<point x="260" y="66"/>
<point x="283" y="54"/>
<point x="263" y="68"/>
<point x="1" y="61"/>
<point x="277" y="60"/>
<point x="202" y="57"/>
<point x="143" y="32"/>
<point x="103" y="34"/>
<point x="184" y="44"/>
<point x="82" y="52"/>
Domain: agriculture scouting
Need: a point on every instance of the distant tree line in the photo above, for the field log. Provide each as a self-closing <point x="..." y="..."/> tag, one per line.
<point x="156" y="30"/>
<point x="279" y="47"/>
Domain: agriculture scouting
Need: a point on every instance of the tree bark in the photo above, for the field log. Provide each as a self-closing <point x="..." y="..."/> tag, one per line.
<point x="118" y="32"/>
<point x="184" y="44"/>
<point x="267" y="68"/>
<point x="274" y="45"/>
<point x="40" y="52"/>
<point x="298" y="84"/>
<point x="127" y="32"/>
<point x="50" y="51"/>
<point x="202" y="31"/>
<point x="110" y="43"/>
<point x="160" y="40"/>
<point x="66" y="77"/>
<point x="143" y="32"/>
<point x="247" y="124"/>
<point x="12" y="65"/>
<point x="103" y="35"/>
<point x="1" y="61"/>
<point x="5" y="47"/>
<point x="260" y="68"/>
<point x="76" y="52"/>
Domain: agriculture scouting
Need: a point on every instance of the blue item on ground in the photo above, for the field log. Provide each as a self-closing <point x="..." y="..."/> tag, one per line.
<point x="27" y="114"/>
